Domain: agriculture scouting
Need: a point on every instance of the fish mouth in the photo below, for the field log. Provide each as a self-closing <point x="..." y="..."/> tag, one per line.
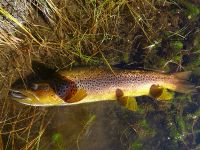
<point x="14" y="94"/>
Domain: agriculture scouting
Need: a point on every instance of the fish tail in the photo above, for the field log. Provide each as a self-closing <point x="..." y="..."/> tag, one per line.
<point x="182" y="82"/>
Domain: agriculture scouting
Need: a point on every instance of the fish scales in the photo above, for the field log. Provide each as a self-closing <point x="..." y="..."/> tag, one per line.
<point x="84" y="85"/>
<point x="103" y="83"/>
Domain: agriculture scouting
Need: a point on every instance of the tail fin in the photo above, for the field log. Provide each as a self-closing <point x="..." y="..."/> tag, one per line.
<point x="182" y="83"/>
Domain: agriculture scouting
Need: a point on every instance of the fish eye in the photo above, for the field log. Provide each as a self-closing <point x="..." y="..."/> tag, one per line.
<point x="39" y="86"/>
<point x="34" y="86"/>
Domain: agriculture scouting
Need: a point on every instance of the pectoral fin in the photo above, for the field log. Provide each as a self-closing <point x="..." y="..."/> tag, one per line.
<point x="128" y="102"/>
<point x="160" y="93"/>
<point x="79" y="95"/>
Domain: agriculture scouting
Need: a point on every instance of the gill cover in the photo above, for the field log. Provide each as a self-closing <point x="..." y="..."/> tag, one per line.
<point x="64" y="88"/>
<point x="53" y="90"/>
<point x="67" y="89"/>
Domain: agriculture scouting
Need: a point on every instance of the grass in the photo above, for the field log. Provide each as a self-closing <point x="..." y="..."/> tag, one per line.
<point x="85" y="128"/>
<point x="19" y="129"/>
<point x="79" y="33"/>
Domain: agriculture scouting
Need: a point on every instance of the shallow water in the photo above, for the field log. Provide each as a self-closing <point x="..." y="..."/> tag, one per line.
<point x="107" y="125"/>
<point x="93" y="126"/>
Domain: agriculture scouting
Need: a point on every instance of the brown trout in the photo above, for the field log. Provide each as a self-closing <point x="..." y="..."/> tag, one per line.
<point x="99" y="84"/>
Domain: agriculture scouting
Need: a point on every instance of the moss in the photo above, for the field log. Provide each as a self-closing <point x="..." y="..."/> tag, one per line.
<point x="144" y="129"/>
<point x="56" y="137"/>
<point x="58" y="141"/>
<point x="194" y="62"/>
<point x="196" y="42"/>
<point x="192" y="10"/>
<point x="126" y="56"/>
<point x="136" y="145"/>
<point x="174" y="133"/>
<point x="196" y="113"/>
<point x="176" y="46"/>
<point x="181" y="123"/>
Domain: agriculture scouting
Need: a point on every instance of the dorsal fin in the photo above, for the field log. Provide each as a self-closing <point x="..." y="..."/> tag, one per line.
<point x="140" y="68"/>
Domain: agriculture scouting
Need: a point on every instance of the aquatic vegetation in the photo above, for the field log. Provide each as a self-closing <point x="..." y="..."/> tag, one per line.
<point x="143" y="129"/>
<point x="58" y="140"/>
<point x="85" y="129"/>
<point x="137" y="144"/>
<point x="176" y="45"/>
<point x="192" y="10"/>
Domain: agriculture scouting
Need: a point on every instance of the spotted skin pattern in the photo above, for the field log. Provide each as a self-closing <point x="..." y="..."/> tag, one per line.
<point x="101" y="83"/>
<point x="86" y="85"/>
<point x="63" y="87"/>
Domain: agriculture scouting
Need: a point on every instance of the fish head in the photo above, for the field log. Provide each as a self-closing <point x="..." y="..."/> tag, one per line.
<point x="38" y="94"/>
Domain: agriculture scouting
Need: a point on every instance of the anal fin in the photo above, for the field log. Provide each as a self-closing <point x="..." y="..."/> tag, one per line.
<point x="128" y="102"/>
<point x="160" y="93"/>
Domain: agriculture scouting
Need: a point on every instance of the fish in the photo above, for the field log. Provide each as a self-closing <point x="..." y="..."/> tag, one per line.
<point x="94" y="84"/>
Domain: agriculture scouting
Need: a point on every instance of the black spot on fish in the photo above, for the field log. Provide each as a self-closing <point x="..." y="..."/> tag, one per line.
<point x="63" y="87"/>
